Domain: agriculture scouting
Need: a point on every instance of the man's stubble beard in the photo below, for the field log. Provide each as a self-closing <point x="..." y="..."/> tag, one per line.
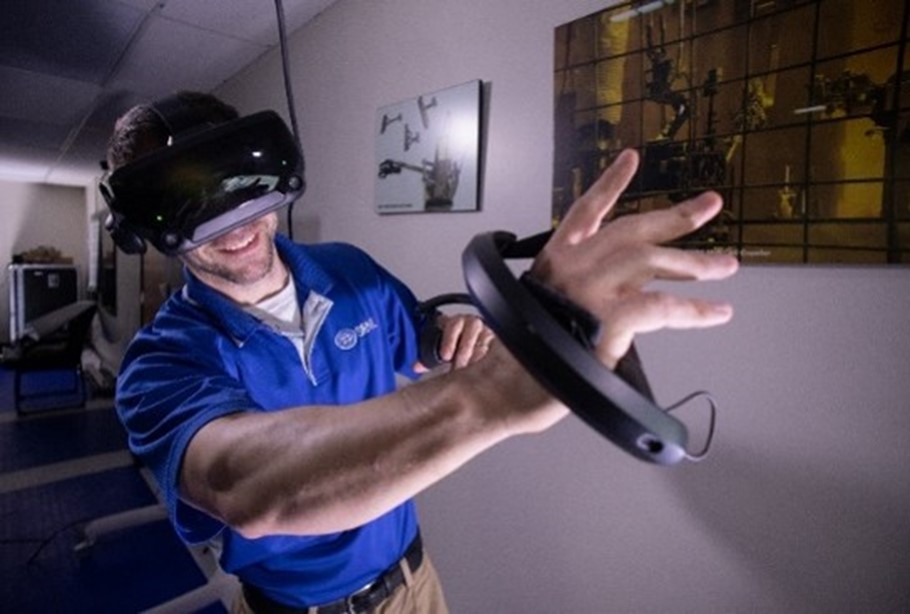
<point x="237" y="276"/>
<point x="206" y="261"/>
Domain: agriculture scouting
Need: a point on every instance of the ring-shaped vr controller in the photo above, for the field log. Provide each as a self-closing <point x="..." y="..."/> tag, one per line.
<point x="618" y="405"/>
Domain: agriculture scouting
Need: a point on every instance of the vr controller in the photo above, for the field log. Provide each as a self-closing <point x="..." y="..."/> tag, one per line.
<point x="553" y="339"/>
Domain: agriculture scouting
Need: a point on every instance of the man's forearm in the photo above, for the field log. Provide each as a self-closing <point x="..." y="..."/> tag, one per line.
<point x="314" y="470"/>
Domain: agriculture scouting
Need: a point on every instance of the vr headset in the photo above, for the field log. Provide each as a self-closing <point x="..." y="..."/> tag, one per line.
<point x="206" y="182"/>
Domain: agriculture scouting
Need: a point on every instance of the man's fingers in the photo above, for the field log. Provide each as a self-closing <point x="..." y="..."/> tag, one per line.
<point x="623" y="272"/>
<point x="642" y="263"/>
<point x="471" y="344"/>
<point x="645" y="229"/>
<point x="664" y="225"/>
<point x="650" y="311"/>
<point x="451" y="332"/>
<point x="464" y="340"/>
<point x="587" y="213"/>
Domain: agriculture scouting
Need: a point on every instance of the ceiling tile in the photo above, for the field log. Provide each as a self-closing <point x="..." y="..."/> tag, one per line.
<point x="145" y="5"/>
<point x="81" y="40"/>
<point x="23" y="132"/>
<point x="87" y="150"/>
<point x="170" y="55"/>
<point x="44" y="98"/>
<point x="255" y="22"/>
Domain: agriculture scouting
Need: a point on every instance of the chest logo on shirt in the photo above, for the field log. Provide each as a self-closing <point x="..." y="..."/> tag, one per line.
<point x="347" y="338"/>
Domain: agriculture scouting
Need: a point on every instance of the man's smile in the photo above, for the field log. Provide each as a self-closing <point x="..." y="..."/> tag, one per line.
<point x="237" y="244"/>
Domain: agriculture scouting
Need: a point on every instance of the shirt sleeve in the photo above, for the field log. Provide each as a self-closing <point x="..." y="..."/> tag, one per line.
<point x="172" y="383"/>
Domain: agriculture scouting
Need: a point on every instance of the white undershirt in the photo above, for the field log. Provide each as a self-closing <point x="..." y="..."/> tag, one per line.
<point x="280" y="310"/>
<point x="283" y="314"/>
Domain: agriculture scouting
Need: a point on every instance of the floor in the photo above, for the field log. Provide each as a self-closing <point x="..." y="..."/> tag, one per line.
<point x="60" y="469"/>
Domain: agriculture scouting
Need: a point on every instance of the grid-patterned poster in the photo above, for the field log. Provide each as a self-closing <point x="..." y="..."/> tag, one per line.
<point x="796" y="111"/>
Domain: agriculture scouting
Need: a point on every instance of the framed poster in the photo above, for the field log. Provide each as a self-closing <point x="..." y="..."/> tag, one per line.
<point x="428" y="152"/>
<point x="796" y="111"/>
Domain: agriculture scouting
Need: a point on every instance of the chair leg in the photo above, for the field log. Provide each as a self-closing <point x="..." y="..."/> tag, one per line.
<point x="108" y="525"/>
<point x="16" y="386"/>
<point x="80" y="386"/>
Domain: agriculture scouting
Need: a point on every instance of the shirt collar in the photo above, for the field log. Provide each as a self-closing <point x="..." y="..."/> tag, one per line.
<point x="308" y="273"/>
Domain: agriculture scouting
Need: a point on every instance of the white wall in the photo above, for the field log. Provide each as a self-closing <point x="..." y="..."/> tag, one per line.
<point x="41" y="214"/>
<point x="803" y="505"/>
<point x="116" y="329"/>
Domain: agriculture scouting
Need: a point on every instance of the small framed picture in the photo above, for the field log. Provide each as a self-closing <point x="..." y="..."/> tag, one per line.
<point x="428" y="152"/>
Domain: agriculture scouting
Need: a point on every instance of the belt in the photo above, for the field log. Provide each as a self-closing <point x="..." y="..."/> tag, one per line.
<point x="363" y="600"/>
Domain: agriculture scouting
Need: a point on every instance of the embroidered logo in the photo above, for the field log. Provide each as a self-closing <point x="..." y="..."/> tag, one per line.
<point x="347" y="338"/>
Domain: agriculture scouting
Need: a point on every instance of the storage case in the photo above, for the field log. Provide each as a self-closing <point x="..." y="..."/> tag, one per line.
<point x="37" y="289"/>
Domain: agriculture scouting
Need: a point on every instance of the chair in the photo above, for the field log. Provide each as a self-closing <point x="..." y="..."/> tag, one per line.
<point x="52" y="343"/>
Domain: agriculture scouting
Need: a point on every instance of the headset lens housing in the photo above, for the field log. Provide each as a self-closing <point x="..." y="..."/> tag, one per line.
<point x="207" y="183"/>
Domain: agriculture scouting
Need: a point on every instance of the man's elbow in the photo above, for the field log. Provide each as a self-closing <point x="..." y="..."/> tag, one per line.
<point x="244" y="515"/>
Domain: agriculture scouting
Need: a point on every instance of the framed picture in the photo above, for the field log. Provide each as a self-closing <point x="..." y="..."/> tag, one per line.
<point x="796" y="111"/>
<point x="428" y="152"/>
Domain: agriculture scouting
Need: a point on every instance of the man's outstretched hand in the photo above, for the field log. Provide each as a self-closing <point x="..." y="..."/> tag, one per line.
<point x="605" y="267"/>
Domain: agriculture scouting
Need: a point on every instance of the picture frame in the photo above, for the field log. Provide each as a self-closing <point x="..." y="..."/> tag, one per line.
<point x="797" y="112"/>
<point x="428" y="157"/>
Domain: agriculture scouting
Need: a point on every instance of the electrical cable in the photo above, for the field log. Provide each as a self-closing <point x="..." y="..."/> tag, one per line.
<point x="709" y="438"/>
<point x="45" y="541"/>
<point x="289" y="93"/>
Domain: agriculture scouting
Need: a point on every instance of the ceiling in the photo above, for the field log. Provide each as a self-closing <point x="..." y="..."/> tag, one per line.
<point x="69" y="68"/>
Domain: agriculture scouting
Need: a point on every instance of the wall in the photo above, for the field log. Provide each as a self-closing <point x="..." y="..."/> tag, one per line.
<point x="802" y="505"/>
<point x="116" y="329"/>
<point x="40" y="214"/>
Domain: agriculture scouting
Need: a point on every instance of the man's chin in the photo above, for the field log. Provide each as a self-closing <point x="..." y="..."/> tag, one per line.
<point x="248" y="274"/>
<point x="243" y="274"/>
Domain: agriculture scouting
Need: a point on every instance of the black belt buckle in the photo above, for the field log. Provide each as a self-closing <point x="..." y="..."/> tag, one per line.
<point x="360" y="601"/>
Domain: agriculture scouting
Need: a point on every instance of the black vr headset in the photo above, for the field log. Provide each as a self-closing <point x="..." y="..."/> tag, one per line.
<point x="209" y="180"/>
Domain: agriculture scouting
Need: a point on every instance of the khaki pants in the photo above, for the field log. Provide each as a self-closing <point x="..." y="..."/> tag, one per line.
<point x="421" y="593"/>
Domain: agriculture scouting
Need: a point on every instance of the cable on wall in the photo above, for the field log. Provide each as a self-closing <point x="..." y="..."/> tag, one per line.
<point x="289" y="93"/>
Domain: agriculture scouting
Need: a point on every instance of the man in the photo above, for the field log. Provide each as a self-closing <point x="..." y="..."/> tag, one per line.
<point x="271" y="426"/>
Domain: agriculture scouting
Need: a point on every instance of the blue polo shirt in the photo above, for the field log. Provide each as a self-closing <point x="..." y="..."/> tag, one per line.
<point x="203" y="357"/>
